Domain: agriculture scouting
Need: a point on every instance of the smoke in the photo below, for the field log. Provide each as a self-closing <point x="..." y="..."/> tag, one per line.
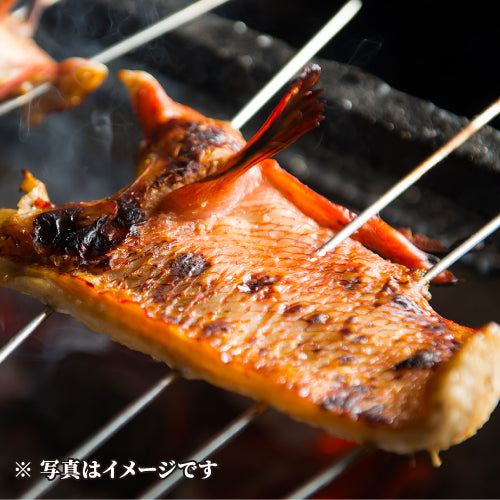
<point x="366" y="51"/>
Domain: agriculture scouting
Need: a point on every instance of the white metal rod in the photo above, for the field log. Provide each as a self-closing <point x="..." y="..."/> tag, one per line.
<point x="177" y="19"/>
<point x="336" y="23"/>
<point x="227" y="434"/>
<point x="327" y="476"/>
<point x="332" y="27"/>
<point x="278" y="81"/>
<point x="24" y="333"/>
<point x="17" y="102"/>
<point x="475" y="125"/>
<point x="106" y="432"/>
<point x="171" y="22"/>
<point x="461" y="250"/>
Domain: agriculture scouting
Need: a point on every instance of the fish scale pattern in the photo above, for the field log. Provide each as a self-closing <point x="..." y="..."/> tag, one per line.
<point x="351" y="331"/>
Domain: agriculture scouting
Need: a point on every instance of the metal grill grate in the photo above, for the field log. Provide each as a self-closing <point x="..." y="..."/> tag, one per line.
<point x="249" y="415"/>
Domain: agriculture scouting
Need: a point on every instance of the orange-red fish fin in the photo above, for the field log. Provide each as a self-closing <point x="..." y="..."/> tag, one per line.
<point x="73" y="80"/>
<point x="151" y="103"/>
<point x="297" y="113"/>
<point x="375" y="234"/>
<point x="5" y="6"/>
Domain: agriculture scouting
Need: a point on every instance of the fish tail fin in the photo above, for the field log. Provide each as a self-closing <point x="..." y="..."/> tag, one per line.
<point x="298" y="112"/>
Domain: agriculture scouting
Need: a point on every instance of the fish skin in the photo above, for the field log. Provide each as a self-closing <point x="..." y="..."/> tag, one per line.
<point x="233" y="292"/>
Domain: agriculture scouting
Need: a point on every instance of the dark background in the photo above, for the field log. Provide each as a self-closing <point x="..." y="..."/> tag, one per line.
<point x="443" y="51"/>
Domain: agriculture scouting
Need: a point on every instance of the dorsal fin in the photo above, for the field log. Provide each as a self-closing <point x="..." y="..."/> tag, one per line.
<point x="298" y="112"/>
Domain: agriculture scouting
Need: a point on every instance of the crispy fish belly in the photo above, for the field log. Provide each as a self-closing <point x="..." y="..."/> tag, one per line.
<point x="232" y="291"/>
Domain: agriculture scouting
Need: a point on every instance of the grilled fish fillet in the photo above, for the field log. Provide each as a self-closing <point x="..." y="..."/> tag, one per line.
<point x="206" y="260"/>
<point x="24" y="65"/>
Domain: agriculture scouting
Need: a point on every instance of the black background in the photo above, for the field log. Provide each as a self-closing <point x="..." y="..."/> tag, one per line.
<point x="443" y="51"/>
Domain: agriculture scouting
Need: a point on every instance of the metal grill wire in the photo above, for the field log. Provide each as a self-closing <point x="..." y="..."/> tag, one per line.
<point x="248" y="416"/>
<point x="130" y="411"/>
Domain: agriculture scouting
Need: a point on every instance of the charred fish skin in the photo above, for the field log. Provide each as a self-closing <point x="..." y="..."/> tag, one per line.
<point x="74" y="232"/>
<point x="217" y="275"/>
<point x="87" y="232"/>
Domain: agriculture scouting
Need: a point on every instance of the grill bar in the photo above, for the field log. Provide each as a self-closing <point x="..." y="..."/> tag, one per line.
<point x="474" y="126"/>
<point x="106" y="432"/>
<point x="462" y="249"/>
<point x="160" y="28"/>
<point x="328" y="475"/>
<point x="336" y="23"/>
<point x="19" y="101"/>
<point x="24" y="333"/>
<point x="227" y="434"/>
<point x="308" y="51"/>
<point x="318" y="41"/>
<point x="329" y="30"/>
<point x="169" y="23"/>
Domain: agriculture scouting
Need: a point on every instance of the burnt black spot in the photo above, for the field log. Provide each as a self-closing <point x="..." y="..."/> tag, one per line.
<point x="85" y="232"/>
<point x="189" y="264"/>
<point x="128" y="213"/>
<point x="389" y="286"/>
<point x="432" y="259"/>
<point x="160" y="292"/>
<point x="353" y="284"/>
<point x="294" y="308"/>
<point x="345" y="359"/>
<point x="194" y="138"/>
<point x="361" y="339"/>
<point x="436" y="328"/>
<point x="375" y="415"/>
<point x="422" y="359"/>
<point x="317" y="318"/>
<point x="256" y="282"/>
<point x="217" y="327"/>
<point x="348" y="325"/>
<point x="190" y="140"/>
<point x="182" y="171"/>
<point x="51" y="228"/>
<point x="405" y="303"/>
<point x="344" y="398"/>
<point x="203" y="135"/>
<point x="336" y="401"/>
